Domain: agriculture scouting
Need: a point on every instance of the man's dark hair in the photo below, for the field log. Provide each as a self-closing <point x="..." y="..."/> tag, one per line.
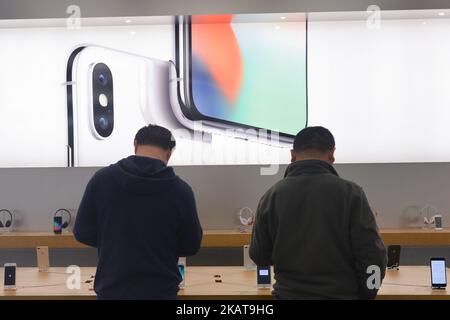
<point x="154" y="135"/>
<point x="314" y="138"/>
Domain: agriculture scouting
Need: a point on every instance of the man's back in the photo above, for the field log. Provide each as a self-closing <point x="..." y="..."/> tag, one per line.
<point x="319" y="233"/>
<point x="141" y="217"/>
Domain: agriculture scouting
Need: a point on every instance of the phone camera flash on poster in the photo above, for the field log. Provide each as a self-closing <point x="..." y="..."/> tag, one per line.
<point x="103" y="100"/>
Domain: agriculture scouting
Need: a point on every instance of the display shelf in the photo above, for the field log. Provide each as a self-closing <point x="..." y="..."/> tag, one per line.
<point x="220" y="238"/>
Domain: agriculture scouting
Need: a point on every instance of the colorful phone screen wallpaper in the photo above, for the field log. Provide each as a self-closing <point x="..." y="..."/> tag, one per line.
<point x="57" y="224"/>
<point x="181" y="270"/>
<point x="251" y="69"/>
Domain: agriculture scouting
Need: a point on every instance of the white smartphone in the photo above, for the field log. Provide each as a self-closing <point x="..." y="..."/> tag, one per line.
<point x="248" y="262"/>
<point x="33" y="63"/>
<point x="111" y="94"/>
<point x="182" y="270"/>
<point x="264" y="277"/>
<point x="43" y="260"/>
<point x="10" y="276"/>
<point x="438" y="273"/>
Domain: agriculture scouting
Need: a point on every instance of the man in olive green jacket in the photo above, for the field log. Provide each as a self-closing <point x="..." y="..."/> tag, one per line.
<point x="317" y="229"/>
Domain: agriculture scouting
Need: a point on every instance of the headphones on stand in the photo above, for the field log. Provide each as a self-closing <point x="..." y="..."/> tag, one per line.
<point x="246" y="216"/>
<point x="63" y="213"/>
<point x="6" y="223"/>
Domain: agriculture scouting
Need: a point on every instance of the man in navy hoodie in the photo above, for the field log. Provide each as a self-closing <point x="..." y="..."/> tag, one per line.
<point x="141" y="217"/>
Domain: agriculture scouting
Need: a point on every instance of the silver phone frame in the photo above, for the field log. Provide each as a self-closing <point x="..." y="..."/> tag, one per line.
<point x="180" y="98"/>
<point x="438" y="286"/>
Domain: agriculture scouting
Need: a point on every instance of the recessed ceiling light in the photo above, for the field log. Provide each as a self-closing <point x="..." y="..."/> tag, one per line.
<point x="283" y="18"/>
<point x="128" y="21"/>
<point x="441" y="14"/>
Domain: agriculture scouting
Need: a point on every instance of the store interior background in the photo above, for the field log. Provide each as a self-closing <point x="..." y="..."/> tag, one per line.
<point x="397" y="191"/>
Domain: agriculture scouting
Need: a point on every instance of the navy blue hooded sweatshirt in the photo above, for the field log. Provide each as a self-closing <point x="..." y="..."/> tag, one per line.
<point x="141" y="217"/>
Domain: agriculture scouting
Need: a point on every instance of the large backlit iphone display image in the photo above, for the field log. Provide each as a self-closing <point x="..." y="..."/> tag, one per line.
<point x="91" y="88"/>
<point x="113" y="93"/>
<point x="33" y="87"/>
<point x="244" y="71"/>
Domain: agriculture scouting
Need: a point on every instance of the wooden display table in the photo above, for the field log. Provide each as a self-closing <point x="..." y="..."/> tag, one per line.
<point x="211" y="283"/>
<point x="221" y="238"/>
<point x="416" y="237"/>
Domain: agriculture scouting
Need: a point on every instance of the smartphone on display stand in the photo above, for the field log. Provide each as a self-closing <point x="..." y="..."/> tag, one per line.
<point x="438" y="273"/>
<point x="243" y="72"/>
<point x="57" y="225"/>
<point x="10" y="276"/>
<point x="438" y="222"/>
<point x="182" y="270"/>
<point x="43" y="259"/>
<point x="394" y="257"/>
<point x="264" y="277"/>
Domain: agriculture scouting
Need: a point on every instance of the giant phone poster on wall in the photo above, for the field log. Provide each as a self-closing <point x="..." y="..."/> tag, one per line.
<point x="234" y="89"/>
<point x="231" y="88"/>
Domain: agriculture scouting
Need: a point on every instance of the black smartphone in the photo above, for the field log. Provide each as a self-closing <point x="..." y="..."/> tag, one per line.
<point x="394" y="256"/>
<point x="438" y="273"/>
<point x="10" y="276"/>
<point x="57" y="225"/>
<point x="234" y="69"/>
<point x="263" y="277"/>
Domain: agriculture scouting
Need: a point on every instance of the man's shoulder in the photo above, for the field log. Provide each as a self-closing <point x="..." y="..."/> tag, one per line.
<point x="103" y="172"/>
<point x="328" y="179"/>
<point x="182" y="186"/>
<point x="349" y="184"/>
<point x="102" y="175"/>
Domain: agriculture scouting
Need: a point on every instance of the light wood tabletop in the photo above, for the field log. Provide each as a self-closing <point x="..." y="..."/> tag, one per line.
<point x="211" y="283"/>
<point x="220" y="238"/>
<point x="411" y="283"/>
<point x="27" y="240"/>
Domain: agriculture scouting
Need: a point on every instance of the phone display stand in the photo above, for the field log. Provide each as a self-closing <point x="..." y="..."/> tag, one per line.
<point x="394" y="267"/>
<point x="249" y="264"/>
<point x="428" y="212"/>
<point x="66" y="230"/>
